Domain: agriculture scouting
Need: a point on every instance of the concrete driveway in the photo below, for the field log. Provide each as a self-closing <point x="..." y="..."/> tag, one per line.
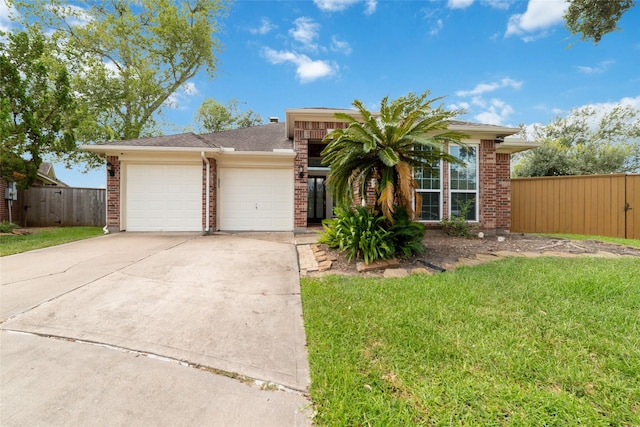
<point x="154" y="329"/>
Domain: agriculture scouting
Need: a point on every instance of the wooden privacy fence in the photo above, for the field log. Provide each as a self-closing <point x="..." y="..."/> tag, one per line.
<point x="62" y="206"/>
<point x="597" y="205"/>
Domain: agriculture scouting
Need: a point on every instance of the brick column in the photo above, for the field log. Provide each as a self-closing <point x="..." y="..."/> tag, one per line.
<point x="301" y="147"/>
<point x="488" y="184"/>
<point x="113" y="195"/>
<point x="503" y="196"/>
<point x="304" y="132"/>
<point x="213" y="176"/>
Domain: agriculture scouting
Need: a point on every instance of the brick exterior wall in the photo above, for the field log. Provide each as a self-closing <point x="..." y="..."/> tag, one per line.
<point x="303" y="133"/>
<point x="213" y="177"/>
<point x="503" y="197"/>
<point x="495" y="187"/>
<point x="113" y="195"/>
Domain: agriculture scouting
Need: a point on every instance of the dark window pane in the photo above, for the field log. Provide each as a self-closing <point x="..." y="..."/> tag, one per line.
<point x="458" y="200"/>
<point x="430" y="207"/>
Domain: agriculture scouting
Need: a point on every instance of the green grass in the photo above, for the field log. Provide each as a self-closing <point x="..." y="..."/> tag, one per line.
<point x="519" y="342"/>
<point x="606" y="239"/>
<point x="16" y="243"/>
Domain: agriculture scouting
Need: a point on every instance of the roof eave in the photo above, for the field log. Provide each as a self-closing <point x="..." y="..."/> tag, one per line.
<point x="516" y="146"/>
<point x="275" y="153"/>
<point x="115" y="149"/>
<point x="495" y="131"/>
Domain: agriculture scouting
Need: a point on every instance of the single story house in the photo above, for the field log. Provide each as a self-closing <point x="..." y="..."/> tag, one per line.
<point x="270" y="177"/>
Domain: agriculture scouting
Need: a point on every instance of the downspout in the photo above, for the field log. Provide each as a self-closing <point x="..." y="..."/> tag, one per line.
<point x="206" y="229"/>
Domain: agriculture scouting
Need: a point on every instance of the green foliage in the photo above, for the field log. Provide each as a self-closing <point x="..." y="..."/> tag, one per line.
<point x="360" y="233"/>
<point x="126" y="59"/>
<point x="457" y="225"/>
<point x="406" y="235"/>
<point x="519" y="342"/>
<point x="583" y="144"/>
<point x="380" y="149"/>
<point x="6" y="227"/>
<point x="592" y="19"/>
<point x="215" y="117"/>
<point x="35" y="105"/>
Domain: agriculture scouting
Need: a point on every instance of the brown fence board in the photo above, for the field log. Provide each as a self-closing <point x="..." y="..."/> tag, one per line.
<point x="589" y="205"/>
<point x="63" y="206"/>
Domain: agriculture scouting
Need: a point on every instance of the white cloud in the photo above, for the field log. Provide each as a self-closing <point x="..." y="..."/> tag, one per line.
<point x="178" y="99"/>
<point x="371" y="6"/>
<point x="305" y="32"/>
<point x="490" y="87"/>
<point x="460" y="106"/>
<point x="307" y="69"/>
<point x="436" y="28"/>
<point x="478" y="101"/>
<point x="340" y="46"/>
<point x="190" y="88"/>
<point x="6" y="11"/>
<point x="340" y="5"/>
<point x="603" y="108"/>
<point x="498" y="4"/>
<point x="75" y="16"/>
<point x="459" y="4"/>
<point x="539" y="16"/>
<point x="112" y="68"/>
<point x="496" y="114"/>
<point x="598" y="69"/>
<point x="265" y="27"/>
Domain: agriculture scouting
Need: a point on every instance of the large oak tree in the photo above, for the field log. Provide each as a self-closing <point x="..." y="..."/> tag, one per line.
<point x="127" y="59"/>
<point x="592" y="19"/>
<point x="36" y="107"/>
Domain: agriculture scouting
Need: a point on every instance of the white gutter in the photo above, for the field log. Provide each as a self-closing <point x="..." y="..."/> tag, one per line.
<point x="206" y="229"/>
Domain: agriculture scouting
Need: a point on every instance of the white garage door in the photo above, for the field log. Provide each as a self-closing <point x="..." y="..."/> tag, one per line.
<point x="163" y="197"/>
<point x="255" y="199"/>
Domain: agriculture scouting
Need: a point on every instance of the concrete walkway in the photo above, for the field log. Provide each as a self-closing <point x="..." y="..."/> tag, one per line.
<point x="154" y="329"/>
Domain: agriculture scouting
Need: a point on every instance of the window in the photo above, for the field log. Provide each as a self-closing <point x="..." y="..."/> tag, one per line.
<point x="464" y="181"/>
<point x="430" y="190"/>
<point x="315" y="158"/>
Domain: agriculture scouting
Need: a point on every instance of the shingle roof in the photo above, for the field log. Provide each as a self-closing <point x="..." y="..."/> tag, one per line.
<point x="256" y="138"/>
<point x="186" y="140"/>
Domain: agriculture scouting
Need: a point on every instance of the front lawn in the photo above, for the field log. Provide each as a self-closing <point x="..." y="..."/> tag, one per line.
<point x="546" y="341"/>
<point x="41" y="238"/>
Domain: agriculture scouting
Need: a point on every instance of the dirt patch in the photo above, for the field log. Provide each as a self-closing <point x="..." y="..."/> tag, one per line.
<point x="448" y="252"/>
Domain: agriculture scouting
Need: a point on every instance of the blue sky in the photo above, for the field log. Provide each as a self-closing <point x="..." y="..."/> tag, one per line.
<point x="505" y="61"/>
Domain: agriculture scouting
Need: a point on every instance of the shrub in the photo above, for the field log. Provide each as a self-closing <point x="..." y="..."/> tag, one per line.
<point x="6" y="227"/>
<point x="457" y="225"/>
<point x="406" y="235"/>
<point x="359" y="233"/>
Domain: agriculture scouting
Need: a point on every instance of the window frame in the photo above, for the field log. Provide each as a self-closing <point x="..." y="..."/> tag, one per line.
<point x="439" y="190"/>
<point x="475" y="192"/>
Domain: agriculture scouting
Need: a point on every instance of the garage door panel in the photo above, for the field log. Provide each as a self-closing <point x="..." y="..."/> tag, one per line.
<point x="161" y="197"/>
<point x="256" y="199"/>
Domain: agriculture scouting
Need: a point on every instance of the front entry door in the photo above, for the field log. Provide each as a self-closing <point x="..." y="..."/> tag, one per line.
<point x="316" y="199"/>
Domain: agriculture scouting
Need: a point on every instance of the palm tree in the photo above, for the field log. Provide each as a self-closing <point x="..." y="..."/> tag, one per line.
<point x="382" y="150"/>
